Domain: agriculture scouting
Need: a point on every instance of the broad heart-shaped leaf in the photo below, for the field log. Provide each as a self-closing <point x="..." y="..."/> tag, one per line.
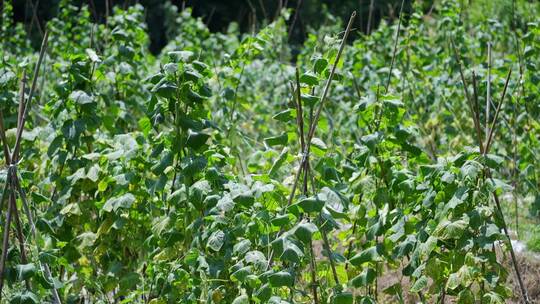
<point x="241" y="247"/>
<point x="420" y="284"/>
<point x="280" y="279"/>
<point x="319" y="144"/>
<point x="216" y="240"/>
<point x="305" y="231"/>
<point x="257" y="259"/>
<point x="25" y="271"/>
<point x="6" y="76"/>
<point x="80" y="97"/>
<point x="492" y="297"/>
<point x="343" y="298"/>
<point x="71" y="209"/>
<point x="285" y="116"/>
<point x="451" y="230"/>
<point x="165" y="89"/>
<point x="466" y="296"/>
<point x="264" y="292"/>
<point x="196" y="140"/>
<point x="241" y="274"/>
<point x="311" y="204"/>
<point x="369" y="255"/>
<point x="464" y="277"/>
<point x="279" y="162"/>
<point x="319" y="64"/>
<point x="26" y="297"/>
<point x="309" y="79"/>
<point x="277" y="140"/>
<point x="291" y="252"/>
<point x="280" y="220"/>
<point x="245" y="199"/>
<point x="309" y="100"/>
<point x="365" y="278"/>
<point x="242" y="299"/>
<point x="124" y="201"/>
<point x="92" y="55"/>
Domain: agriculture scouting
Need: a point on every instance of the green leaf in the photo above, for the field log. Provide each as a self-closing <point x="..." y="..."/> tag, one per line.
<point x="420" y="284"/>
<point x="280" y="220"/>
<point x="369" y="255"/>
<point x="309" y="100"/>
<point x="25" y="271"/>
<point x="291" y="252"/>
<point x="466" y="296"/>
<point x="192" y="75"/>
<point x="241" y="247"/>
<point x="145" y="125"/>
<point x="451" y="230"/>
<point x="6" y="76"/>
<point x="80" y="97"/>
<point x="343" y="298"/>
<point x="241" y="274"/>
<point x="453" y="281"/>
<point x="309" y="79"/>
<point x="196" y="140"/>
<point x="311" y="204"/>
<point x="124" y="201"/>
<point x="26" y="297"/>
<point x="280" y="279"/>
<point x="71" y="209"/>
<point x="92" y="55"/>
<point x="216" y="240"/>
<point x="492" y="297"/>
<point x="245" y="199"/>
<point x="280" y="140"/>
<point x="319" y="65"/>
<point x="365" y="278"/>
<point x="165" y="89"/>
<point x="319" y="144"/>
<point x="264" y="292"/>
<point x="285" y="116"/>
<point x="256" y="258"/>
<point x="305" y="231"/>
<point x="243" y="299"/>
<point x="279" y="162"/>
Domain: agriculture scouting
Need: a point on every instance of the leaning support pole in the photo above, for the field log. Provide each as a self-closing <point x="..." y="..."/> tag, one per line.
<point x="314" y="123"/>
<point x="484" y="150"/>
<point x="13" y="183"/>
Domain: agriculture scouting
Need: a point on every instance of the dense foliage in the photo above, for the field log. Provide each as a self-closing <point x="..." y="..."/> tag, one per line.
<point x="218" y="172"/>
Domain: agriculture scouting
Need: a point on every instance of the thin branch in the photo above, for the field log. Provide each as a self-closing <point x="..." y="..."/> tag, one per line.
<point x="512" y="254"/>
<point x="488" y="93"/>
<point x="14" y="157"/>
<point x="495" y="118"/>
<point x="296" y="11"/>
<point x="476" y="106"/>
<point x="370" y="14"/>
<point x="395" y="47"/>
<point x="314" y="123"/>
<point x="469" y="100"/>
<point x="5" y="245"/>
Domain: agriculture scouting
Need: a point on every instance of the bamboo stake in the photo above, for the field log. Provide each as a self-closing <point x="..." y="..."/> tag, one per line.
<point x="300" y="124"/>
<point x="314" y="123"/>
<point x="395" y="47"/>
<point x="488" y="93"/>
<point x="469" y="100"/>
<point x="496" y="197"/>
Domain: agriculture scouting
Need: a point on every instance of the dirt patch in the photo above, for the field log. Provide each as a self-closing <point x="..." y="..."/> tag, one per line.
<point x="530" y="272"/>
